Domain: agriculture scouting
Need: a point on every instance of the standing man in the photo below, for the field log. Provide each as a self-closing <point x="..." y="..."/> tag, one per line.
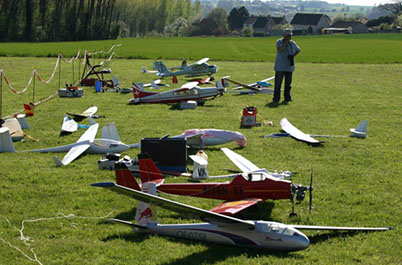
<point x="286" y="50"/>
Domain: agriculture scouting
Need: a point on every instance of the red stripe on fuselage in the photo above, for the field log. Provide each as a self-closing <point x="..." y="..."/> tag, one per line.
<point x="235" y="190"/>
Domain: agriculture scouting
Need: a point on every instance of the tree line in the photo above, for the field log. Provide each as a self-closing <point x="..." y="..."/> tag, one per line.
<point x="71" y="20"/>
<point x="54" y="20"/>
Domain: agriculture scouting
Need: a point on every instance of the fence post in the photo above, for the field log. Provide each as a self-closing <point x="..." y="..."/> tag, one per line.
<point x="33" y="91"/>
<point x="72" y="62"/>
<point x="1" y="94"/>
<point x="59" y="71"/>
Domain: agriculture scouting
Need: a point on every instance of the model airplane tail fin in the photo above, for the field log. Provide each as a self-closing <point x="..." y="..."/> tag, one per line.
<point x="360" y="131"/>
<point x="139" y="92"/>
<point x="184" y="63"/>
<point x="57" y="161"/>
<point x="147" y="214"/>
<point x="199" y="166"/>
<point x="148" y="170"/>
<point x="6" y="143"/>
<point x="109" y="131"/>
<point x="125" y="178"/>
<point x="162" y="68"/>
<point x="154" y="85"/>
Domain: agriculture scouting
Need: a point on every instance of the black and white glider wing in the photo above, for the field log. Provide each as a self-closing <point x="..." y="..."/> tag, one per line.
<point x="193" y="212"/>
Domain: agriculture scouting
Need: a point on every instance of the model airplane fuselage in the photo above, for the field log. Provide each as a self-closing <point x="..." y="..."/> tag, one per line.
<point x="242" y="192"/>
<point x="97" y="146"/>
<point x="268" y="235"/>
<point x="183" y="94"/>
<point x="199" y="68"/>
<point x="109" y="143"/>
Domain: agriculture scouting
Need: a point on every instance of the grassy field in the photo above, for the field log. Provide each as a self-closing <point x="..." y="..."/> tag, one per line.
<point x="356" y="181"/>
<point x="361" y="48"/>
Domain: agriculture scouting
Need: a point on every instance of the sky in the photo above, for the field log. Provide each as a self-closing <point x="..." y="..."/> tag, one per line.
<point x="359" y="2"/>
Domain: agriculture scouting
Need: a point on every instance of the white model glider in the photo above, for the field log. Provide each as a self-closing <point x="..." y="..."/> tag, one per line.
<point x="219" y="229"/>
<point x="200" y="167"/>
<point x="109" y="143"/>
<point x="359" y="132"/>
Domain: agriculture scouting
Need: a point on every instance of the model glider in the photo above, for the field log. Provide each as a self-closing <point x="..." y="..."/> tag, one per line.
<point x="109" y="143"/>
<point x="188" y="92"/>
<point x="256" y="87"/>
<point x="218" y="229"/>
<point x="243" y="191"/>
<point x="199" y="68"/>
<point x="360" y="132"/>
<point x="200" y="167"/>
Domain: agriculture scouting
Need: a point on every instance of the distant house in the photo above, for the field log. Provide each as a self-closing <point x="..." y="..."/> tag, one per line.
<point x="274" y="21"/>
<point x="262" y="25"/>
<point x="310" y="23"/>
<point x="347" y="27"/>
<point x="239" y="23"/>
<point x="249" y="22"/>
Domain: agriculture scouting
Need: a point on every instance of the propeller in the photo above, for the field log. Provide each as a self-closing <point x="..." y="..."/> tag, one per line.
<point x="299" y="191"/>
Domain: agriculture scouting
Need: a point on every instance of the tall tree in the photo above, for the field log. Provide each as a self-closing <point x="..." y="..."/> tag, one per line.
<point x="395" y="8"/>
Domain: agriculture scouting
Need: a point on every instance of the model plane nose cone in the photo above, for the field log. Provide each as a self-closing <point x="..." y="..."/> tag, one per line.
<point x="302" y="242"/>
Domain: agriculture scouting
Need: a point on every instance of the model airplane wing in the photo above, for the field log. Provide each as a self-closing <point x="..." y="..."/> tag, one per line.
<point x="88" y="113"/>
<point x="242" y="163"/>
<point x="90" y="134"/>
<point x="268" y="79"/>
<point x="190" y="85"/>
<point x="193" y="212"/>
<point x="69" y="125"/>
<point x="244" y="86"/>
<point x="74" y="152"/>
<point x="234" y="207"/>
<point x="202" y="61"/>
<point x="261" y="82"/>
<point x="339" y="228"/>
<point x="296" y="133"/>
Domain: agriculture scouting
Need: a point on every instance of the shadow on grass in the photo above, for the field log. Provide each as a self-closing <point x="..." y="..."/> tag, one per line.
<point x="272" y="104"/>
<point x="177" y="107"/>
<point x="219" y="253"/>
<point x="129" y="237"/>
<point x="322" y="237"/>
<point x="213" y="254"/>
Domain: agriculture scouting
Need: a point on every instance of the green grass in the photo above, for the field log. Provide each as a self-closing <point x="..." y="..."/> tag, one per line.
<point x="356" y="181"/>
<point x="361" y="48"/>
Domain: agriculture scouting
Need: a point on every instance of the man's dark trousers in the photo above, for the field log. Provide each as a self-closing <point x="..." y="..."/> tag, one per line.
<point x="278" y="83"/>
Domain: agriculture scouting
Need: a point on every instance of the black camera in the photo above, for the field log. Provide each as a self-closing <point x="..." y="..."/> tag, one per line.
<point x="291" y="60"/>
